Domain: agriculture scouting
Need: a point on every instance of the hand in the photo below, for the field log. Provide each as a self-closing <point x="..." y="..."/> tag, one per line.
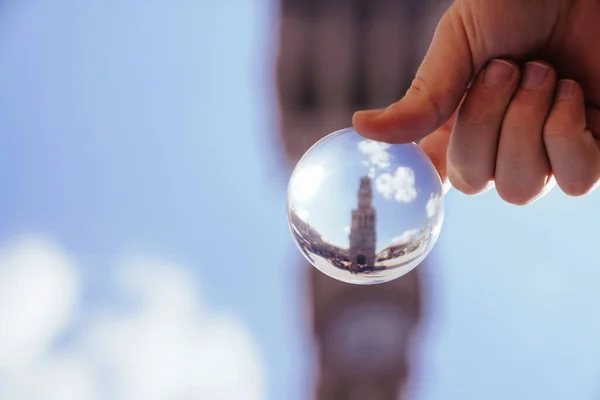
<point x="520" y="124"/>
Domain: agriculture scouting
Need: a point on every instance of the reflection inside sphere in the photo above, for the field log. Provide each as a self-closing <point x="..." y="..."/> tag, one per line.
<point x="362" y="211"/>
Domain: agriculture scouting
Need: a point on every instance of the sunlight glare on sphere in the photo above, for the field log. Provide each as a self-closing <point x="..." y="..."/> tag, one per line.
<point x="364" y="212"/>
<point x="307" y="182"/>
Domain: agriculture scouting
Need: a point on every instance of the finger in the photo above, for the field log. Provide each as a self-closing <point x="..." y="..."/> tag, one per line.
<point x="522" y="166"/>
<point x="474" y="140"/>
<point x="435" y="146"/>
<point x="571" y="148"/>
<point x="592" y="116"/>
<point x="434" y="94"/>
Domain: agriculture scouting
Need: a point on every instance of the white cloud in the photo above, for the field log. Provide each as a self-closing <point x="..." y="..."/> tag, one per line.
<point x="347" y="229"/>
<point x="165" y="347"/>
<point x="371" y="173"/>
<point x="54" y="377"/>
<point x="377" y="153"/>
<point x="433" y="205"/>
<point x="171" y="348"/>
<point x="399" y="186"/>
<point x="38" y="289"/>
<point x="306" y="182"/>
<point x="407" y="236"/>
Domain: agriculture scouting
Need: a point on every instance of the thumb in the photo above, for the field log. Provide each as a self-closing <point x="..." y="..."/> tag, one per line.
<point x="435" y="93"/>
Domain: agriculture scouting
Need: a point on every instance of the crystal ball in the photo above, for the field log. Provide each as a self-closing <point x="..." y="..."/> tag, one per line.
<point x="364" y="212"/>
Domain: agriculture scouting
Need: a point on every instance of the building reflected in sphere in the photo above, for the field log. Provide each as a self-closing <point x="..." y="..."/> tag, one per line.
<point x="364" y="212"/>
<point x="362" y="231"/>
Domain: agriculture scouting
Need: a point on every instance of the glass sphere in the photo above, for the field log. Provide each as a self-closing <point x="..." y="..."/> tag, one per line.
<point x="362" y="211"/>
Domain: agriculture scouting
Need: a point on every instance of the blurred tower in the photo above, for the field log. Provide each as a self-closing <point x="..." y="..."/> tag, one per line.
<point x="335" y="57"/>
<point x="362" y="230"/>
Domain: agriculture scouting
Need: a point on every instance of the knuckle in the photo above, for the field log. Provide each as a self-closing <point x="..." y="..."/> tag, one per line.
<point x="558" y="126"/>
<point x="482" y="110"/>
<point x="554" y="132"/>
<point x="422" y="88"/>
<point x="522" y="118"/>
<point x="474" y="117"/>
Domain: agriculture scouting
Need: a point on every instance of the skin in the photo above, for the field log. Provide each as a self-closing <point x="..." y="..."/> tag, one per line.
<point x="508" y="96"/>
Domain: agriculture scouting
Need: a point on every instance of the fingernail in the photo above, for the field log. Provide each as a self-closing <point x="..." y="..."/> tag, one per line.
<point x="371" y="113"/>
<point x="498" y="73"/>
<point x="565" y="89"/>
<point x="535" y="74"/>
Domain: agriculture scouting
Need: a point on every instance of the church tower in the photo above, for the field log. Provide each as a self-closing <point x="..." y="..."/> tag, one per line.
<point x="362" y="230"/>
<point x="335" y="57"/>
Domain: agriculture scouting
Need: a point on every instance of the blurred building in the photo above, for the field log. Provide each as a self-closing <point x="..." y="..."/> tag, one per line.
<point x="335" y="57"/>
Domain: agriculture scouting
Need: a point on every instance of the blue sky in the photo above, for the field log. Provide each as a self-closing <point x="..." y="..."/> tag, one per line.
<point x="129" y="127"/>
<point x="146" y="127"/>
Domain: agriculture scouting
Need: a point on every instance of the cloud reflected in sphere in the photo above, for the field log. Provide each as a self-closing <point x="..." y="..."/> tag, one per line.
<point x="364" y="212"/>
